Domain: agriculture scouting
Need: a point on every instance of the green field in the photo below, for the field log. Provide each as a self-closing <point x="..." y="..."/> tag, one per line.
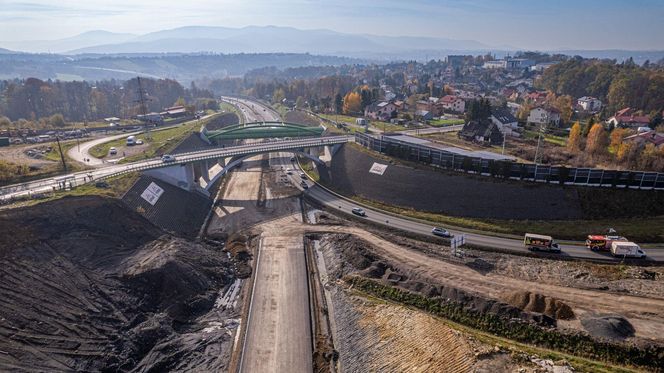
<point x="445" y="122"/>
<point x="374" y="124"/>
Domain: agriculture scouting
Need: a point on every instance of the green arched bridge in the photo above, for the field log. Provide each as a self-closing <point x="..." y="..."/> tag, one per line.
<point x="260" y="130"/>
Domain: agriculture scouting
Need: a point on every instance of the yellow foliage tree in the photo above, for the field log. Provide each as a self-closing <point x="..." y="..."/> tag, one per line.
<point x="623" y="151"/>
<point x="597" y="140"/>
<point x="574" y="140"/>
<point x="352" y="103"/>
<point x="617" y="136"/>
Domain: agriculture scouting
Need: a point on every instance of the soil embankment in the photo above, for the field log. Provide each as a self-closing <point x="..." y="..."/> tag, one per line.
<point x="90" y="285"/>
<point x="454" y="194"/>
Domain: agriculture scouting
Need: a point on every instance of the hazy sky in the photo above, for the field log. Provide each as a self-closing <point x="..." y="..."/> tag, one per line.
<point x="531" y="24"/>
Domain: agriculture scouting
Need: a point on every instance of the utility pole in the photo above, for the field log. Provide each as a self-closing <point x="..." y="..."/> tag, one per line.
<point x="143" y="107"/>
<point x="538" y="155"/>
<point x="504" y="140"/>
<point x="62" y="156"/>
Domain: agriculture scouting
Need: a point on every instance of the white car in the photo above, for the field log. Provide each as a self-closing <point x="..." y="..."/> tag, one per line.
<point x="113" y="151"/>
<point x="359" y="212"/>
<point x="437" y="231"/>
<point x="167" y="158"/>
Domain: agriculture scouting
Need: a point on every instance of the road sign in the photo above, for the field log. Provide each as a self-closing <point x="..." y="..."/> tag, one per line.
<point x="152" y="193"/>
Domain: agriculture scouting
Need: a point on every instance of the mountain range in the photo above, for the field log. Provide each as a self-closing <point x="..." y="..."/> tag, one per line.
<point x="250" y="39"/>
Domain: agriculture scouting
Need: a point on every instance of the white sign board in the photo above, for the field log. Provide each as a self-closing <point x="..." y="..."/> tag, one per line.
<point x="378" y="168"/>
<point x="152" y="193"/>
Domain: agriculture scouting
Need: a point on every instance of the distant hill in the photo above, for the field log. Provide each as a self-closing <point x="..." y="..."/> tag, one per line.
<point x="86" y="39"/>
<point x="6" y="51"/>
<point x="272" y="39"/>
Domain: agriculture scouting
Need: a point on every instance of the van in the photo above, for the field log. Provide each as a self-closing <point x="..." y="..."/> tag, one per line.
<point x="131" y="140"/>
<point x="627" y="250"/>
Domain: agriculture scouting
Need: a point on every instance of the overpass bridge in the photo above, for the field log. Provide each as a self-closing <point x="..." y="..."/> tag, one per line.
<point x="268" y="129"/>
<point x="187" y="169"/>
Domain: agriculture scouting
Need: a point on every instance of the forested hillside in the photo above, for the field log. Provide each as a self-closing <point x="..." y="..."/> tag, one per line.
<point x="618" y="85"/>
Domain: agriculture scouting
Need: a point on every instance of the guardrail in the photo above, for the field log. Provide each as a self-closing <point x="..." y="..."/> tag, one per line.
<point x="561" y="175"/>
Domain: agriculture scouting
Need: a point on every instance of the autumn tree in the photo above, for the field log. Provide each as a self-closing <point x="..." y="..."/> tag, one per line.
<point x="574" y="140"/>
<point x="352" y="103"/>
<point x="617" y="136"/>
<point x="597" y="140"/>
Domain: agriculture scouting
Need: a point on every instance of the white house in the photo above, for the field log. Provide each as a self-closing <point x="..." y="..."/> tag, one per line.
<point x="540" y="115"/>
<point x="505" y="121"/>
<point x="452" y="103"/>
<point x="380" y="111"/>
<point x="589" y="104"/>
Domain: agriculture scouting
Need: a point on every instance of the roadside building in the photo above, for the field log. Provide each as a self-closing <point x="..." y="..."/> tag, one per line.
<point x="484" y="132"/>
<point x="174" y="112"/>
<point x="380" y="111"/>
<point x="423" y="115"/>
<point x="541" y="115"/>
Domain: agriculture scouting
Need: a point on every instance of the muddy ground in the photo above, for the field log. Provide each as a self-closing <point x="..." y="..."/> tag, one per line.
<point x="89" y="285"/>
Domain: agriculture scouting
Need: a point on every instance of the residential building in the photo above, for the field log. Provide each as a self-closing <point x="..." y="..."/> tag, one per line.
<point x="542" y="66"/>
<point x="505" y="121"/>
<point x="174" y="112"/>
<point x="589" y="104"/>
<point x="451" y="103"/>
<point x="536" y="97"/>
<point x="456" y="60"/>
<point x="541" y="115"/>
<point x="423" y="105"/>
<point x="497" y="64"/>
<point x="484" y="132"/>
<point x="649" y="137"/>
<point x="423" y="115"/>
<point x="626" y="118"/>
<point x="380" y="111"/>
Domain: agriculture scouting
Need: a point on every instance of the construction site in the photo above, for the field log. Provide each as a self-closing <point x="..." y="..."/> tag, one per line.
<point x="261" y="277"/>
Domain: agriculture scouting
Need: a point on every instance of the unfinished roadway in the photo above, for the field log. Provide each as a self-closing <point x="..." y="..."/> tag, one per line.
<point x="277" y="334"/>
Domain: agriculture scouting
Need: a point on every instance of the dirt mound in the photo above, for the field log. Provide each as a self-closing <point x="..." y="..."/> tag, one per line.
<point x="90" y="285"/>
<point x="613" y="327"/>
<point x="533" y="302"/>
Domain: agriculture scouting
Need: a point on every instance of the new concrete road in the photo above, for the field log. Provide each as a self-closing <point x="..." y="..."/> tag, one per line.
<point x="80" y="154"/>
<point x="278" y="332"/>
<point x="429" y="131"/>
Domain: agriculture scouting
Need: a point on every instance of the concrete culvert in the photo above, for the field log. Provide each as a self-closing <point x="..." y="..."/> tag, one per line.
<point x="534" y="302"/>
<point x="614" y="327"/>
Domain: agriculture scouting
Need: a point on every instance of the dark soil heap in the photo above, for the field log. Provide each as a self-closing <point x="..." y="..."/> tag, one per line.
<point x="89" y="285"/>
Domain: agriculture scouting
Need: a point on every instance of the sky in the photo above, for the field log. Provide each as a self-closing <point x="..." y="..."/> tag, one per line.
<point x="525" y="24"/>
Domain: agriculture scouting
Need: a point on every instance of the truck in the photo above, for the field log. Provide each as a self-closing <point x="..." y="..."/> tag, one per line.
<point x="4" y="141"/>
<point x="596" y="242"/>
<point x="627" y="249"/>
<point x="539" y="242"/>
<point x="131" y="140"/>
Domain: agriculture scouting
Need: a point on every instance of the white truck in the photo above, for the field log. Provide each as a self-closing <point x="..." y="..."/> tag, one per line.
<point x="626" y="249"/>
<point x="539" y="242"/>
<point x="131" y="140"/>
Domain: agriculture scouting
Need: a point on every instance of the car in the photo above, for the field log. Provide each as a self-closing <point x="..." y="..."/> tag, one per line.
<point x="359" y="212"/>
<point x="292" y="159"/>
<point x="304" y="185"/>
<point x="168" y="158"/>
<point x="303" y="175"/>
<point x="289" y="171"/>
<point x="113" y="151"/>
<point x="437" y="231"/>
<point x="139" y="142"/>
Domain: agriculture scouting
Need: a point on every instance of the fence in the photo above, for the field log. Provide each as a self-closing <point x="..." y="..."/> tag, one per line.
<point x="512" y="170"/>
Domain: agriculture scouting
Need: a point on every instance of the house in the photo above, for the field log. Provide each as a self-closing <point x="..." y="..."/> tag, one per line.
<point x="547" y="116"/>
<point x="452" y="103"/>
<point x="542" y="66"/>
<point x="625" y="118"/>
<point x="589" y="104"/>
<point x="649" y="137"/>
<point x="400" y="105"/>
<point x="536" y="97"/>
<point x="484" y="132"/>
<point x="424" y="115"/>
<point x="423" y="105"/>
<point x="505" y="121"/>
<point x="457" y="60"/>
<point x="381" y="111"/>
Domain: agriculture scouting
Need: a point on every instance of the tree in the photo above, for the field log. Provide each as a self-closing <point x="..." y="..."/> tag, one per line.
<point x="574" y="140"/>
<point x="180" y="102"/>
<point x="617" y="136"/>
<point x="56" y="120"/>
<point x="5" y="122"/>
<point x="589" y="124"/>
<point x="597" y="140"/>
<point x="352" y="103"/>
<point x="338" y="103"/>
<point x="300" y="102"/>
<point x="278" y="96"/>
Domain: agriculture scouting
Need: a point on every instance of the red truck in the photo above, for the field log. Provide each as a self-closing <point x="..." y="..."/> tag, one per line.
<point x="598" y="242"/>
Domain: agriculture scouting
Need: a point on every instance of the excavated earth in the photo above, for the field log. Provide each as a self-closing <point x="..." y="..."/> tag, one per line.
<point x="89" y="285"/>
